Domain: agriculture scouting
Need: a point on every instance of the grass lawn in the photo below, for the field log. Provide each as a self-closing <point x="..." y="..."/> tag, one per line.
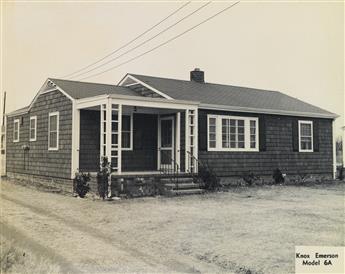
<point x="245" y="230"/>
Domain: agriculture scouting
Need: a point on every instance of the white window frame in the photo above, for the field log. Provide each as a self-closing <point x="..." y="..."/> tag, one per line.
<point x="246" y="133"/>
<point x="56" y="113"/>
<point x="300" y="122"/>
<point x="130" y="134"/>
<point x="31" y="119"/>
<point x="16" y="121"/>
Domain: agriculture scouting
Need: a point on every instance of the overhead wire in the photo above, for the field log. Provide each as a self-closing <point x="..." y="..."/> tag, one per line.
<point x="130" y="42"/>
<point x="145" y="41"/>
<point x="164" y="43"/>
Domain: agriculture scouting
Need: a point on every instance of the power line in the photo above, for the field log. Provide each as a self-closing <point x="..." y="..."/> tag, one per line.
<point x="128" y="43"/>
<point x="162" y="44"/>
<point x="144" y="42"/>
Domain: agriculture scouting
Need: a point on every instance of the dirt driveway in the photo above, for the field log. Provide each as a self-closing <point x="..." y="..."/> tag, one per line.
<point x="252" y="229"/>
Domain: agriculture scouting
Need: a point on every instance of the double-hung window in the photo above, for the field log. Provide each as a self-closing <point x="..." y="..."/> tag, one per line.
<point x="53" y="131"/>
<point x="305" y="129"/>
<point x="232" y="133"/>
<point x="33" y="128"/>
<point x="127" y="132"/>
<point x="16" y="130"/>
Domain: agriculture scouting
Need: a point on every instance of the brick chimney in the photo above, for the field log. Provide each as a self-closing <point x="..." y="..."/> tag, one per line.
<point x="197" y="75"/>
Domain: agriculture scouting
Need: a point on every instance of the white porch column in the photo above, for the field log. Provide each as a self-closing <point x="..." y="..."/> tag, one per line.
<point x="75" y="140"/>
<point x="108" y="130"/>
<point x="196" y="134"/>
<point x="119" y="146"/>
<point x="191" y="140"/>
<point x="186" y="135"/>
<point x="114" y="134"/>
<point x="178" y="138"/>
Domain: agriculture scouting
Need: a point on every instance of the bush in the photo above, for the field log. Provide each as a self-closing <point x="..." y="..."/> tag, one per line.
<point x="278" y="176"/>
<point x="249" y="178"/>
<point x="103" y="178"/>
<point x="211" y="182"/>
<point x="81" y="184"/>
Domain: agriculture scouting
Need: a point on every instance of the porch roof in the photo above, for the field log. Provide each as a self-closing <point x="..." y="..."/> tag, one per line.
<point x="136" y="101"/>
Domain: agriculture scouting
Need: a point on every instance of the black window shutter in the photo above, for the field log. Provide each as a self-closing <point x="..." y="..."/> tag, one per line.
<point x="295" y="135"/>
<point x="202" y="132"/>
<point x="262" y="133"/>
<point x="316" y="135"/>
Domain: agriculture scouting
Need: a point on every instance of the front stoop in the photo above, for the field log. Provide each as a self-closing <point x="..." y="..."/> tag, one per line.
<point x="181" y="186"/>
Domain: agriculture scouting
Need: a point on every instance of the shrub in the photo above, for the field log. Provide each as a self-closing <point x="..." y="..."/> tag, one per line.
<point x="209" y="178"/>
<point x="278" y="176"/>
<point x="249" y="178"/>
<point x="103" y="178"/>
<point x="81" y="184"/>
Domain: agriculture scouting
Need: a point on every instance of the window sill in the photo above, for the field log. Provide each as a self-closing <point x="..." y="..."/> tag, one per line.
<point x="53" y="149"/>
<point x="232" y="150"/>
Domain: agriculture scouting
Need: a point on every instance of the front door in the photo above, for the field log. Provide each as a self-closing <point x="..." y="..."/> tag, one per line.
<point x="166" y="143"/>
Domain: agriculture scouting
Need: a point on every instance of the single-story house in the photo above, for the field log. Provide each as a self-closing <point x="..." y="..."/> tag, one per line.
<point x="146" y="124"/>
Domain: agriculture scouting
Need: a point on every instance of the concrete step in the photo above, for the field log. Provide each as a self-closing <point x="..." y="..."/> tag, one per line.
<point x="181" y="192"/>
<point x="190" y="185"/>
<point x="180" y="180"/>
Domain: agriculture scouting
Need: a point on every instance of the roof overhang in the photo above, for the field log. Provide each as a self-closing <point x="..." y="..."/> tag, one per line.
<point x="136" y="101"/>
<point x="268" y="111"/>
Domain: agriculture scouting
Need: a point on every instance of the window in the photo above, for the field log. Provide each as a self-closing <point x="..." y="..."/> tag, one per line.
<point x="212" y="141"/>
<point x="232" y="133"/>
<point x="127" y="132"/>
<point x="305" y="129"/>
<point x="33" y="128"/>
<point x="16" y="130"/>
<point x="53" y="131"/>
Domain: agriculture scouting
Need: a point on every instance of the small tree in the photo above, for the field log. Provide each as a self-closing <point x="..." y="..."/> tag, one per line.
<point x="103" y="177"/>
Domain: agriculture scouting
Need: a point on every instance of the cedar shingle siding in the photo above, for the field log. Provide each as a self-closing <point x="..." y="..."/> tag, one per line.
<point x="278" y="151"/>
<point x="38" y="160"/>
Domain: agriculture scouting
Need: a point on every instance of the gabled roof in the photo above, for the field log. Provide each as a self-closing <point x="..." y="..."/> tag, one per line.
<point x="210" y="96"/>
<point x="78" y="90"/>
<point x="233" y="97"/>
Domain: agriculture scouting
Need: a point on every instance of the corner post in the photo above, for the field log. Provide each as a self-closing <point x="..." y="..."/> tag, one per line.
<point x="75" y="140"/>
<point x="334" y="151"/>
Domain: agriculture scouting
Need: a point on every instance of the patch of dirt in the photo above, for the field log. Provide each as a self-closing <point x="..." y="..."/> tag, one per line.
<point x="247" y="231"/>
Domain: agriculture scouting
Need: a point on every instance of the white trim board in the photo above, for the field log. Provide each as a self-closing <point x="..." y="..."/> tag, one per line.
<point x="266" y="111"/>
<point x="129" y="76"/>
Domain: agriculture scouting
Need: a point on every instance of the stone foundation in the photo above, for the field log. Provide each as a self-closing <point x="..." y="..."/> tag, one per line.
<point x="268" y="180"/>
<point x="61" y="184"/>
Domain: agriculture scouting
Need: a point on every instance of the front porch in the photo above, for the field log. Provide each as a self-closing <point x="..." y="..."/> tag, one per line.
<point x="155" y="136"/>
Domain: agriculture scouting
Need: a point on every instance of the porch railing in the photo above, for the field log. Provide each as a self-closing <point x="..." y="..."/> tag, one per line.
<point x="205" y="176"/>
<point x="172" y="170"/>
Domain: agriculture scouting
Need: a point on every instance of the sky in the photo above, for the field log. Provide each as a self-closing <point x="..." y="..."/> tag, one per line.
<point x="296" y="48"/>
